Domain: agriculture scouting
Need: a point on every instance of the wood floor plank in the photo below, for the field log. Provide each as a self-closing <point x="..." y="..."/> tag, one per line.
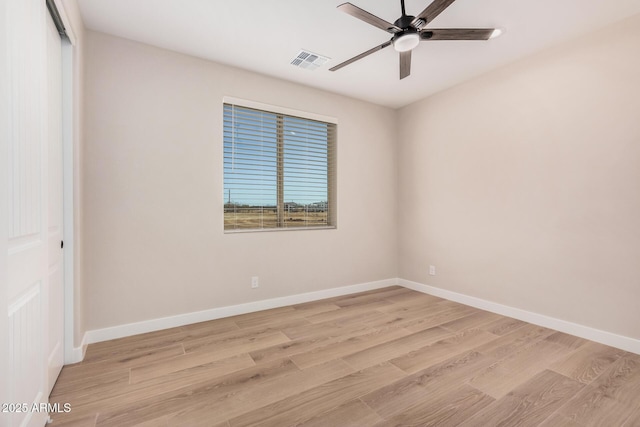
<point x="383" y="357"/>
<point x="124" y="346"/>
<point x="166" y="420"/>
<point x="557" y="420"/>
<point x="344" y="348"/>
<point x="121" y="362"/>
<point x="622" y="380"/>
<point x="146" y="408"/>
<point x="419" y="304"/>
<point x="307" y="405"/>
<point x="438" y="379"/>
<point x="515" y="341"/>
<point x="230" y="347"/>
<point x="442" y="350"/>
<point x="472" y="321"/>
<point x="595" y="410"/>
<point x="634" y="418"/>
<point x="261" y="317"/>
<point x="587" y="362"/>
<point x="84" y="421"/>
<point x="281" y="316"/>
<point x="68" y="383"/>
<point x="422" y="317"/>
<point x="206" y="329"/>
<point x="163" y="422"/>
<point x="395" y="348"/>
<point x="361" y="320"/>
<point x="126" y="352"/>
<point x="211" y="361"/>
<point x="162" y="338"/>
<point x="450" y="409"/>
<point x="437" y="317"/>
<point x="605" y="412"/>
<point x="347" y="311"/>
<point x="354" y="413"/>
<point x="530" y="403"/>
<point x="103" y="399"/>
<point x="517" y="368"/>
<point x="216" y="406"/>
<point x="305" y="345"/>
<point x="611" y="399"/>
<point x="503" y="326"/>
<point x="315" y="307"/>
<point x="222" y="339"/>
<point x="397" y="396"/>
<point x="567" y="340"/>
<point x="459" y="368"/>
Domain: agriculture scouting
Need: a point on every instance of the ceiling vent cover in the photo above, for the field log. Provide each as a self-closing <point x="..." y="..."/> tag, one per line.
<point x="309" y="60"/>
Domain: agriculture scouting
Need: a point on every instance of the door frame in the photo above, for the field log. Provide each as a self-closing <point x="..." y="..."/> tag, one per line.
<point x="68" y="199"/>
<point x="70" y="140"/>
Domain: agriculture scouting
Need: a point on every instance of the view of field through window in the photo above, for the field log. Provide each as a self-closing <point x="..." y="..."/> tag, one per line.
<point x="276" y="170"/>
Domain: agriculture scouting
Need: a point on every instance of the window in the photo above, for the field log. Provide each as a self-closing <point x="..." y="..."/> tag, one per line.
<point x="278" y="170"/>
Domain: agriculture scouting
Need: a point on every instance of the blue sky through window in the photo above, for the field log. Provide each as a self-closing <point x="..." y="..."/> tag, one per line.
<point x="250" y="158"/>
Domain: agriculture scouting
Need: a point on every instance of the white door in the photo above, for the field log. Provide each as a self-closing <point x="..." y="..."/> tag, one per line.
<point x="31" y="260"/>
<point x="55" y="317"/>
<point x="4" y="211"/>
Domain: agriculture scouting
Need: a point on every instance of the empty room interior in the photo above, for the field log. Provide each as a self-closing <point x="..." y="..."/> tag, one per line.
<point x="318" y="213"/>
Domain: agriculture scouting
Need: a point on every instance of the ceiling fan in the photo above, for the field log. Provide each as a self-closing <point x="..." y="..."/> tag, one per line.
<point x="408" y="31"/>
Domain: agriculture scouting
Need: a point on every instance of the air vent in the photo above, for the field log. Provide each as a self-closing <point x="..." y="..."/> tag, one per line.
<point x="309" y="60"/>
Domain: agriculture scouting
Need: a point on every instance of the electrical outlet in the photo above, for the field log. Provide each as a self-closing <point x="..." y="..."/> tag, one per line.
<point x="255" y="282"/>
<point x="432" y="270"/>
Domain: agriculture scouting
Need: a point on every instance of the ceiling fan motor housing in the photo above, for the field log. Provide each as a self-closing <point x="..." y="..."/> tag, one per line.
<point x="404" y="22"/>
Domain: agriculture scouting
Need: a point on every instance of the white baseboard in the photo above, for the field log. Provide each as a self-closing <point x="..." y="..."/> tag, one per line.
<point x="603" y="337"/>
<point x="120" y="331"/>
<point x="78" y="352"/>
<point x="98" y="335"/>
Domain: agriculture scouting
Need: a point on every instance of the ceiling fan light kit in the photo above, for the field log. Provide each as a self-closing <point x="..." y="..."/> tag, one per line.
<point x="408" y="31"/>
<point x="406" y="41"/>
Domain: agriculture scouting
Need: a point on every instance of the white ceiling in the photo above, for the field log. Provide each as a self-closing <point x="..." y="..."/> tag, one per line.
<point x="265" y="35"/>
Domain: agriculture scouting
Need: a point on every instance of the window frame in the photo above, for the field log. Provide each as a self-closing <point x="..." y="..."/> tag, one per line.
<point x="331" y="165"/>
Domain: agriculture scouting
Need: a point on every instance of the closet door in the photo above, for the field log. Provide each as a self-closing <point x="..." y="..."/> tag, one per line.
<point x="34" y="258"/>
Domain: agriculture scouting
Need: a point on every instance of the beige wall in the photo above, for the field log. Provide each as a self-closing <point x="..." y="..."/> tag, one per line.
<point x="153" y="193"/>
<point x="523" y="186"/>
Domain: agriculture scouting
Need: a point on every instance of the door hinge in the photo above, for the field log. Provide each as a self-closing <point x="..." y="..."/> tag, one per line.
<point x="61" y="244"/>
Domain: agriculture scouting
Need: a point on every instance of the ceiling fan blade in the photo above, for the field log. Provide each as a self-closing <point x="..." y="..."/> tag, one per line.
<point x="433" y="10"/>
<point x="405" y="64"/>
<point x="362" y="55"/>
<point x="456" y="34"/>
<point x="365" y="16"/>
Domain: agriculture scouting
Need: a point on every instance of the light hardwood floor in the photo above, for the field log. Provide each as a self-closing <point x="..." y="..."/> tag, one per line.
<point x="390" y="357"/>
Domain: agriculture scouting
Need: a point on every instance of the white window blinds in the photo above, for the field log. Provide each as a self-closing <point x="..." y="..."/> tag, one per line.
<point x="278" y="170"/>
